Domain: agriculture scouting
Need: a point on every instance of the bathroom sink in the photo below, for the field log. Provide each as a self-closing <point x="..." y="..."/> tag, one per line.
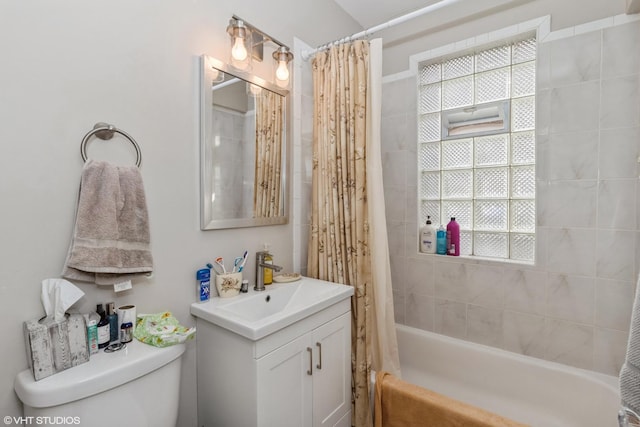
<point x="255" y="315"/>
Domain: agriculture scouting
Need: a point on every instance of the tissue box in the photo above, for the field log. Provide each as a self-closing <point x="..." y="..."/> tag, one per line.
<point x="55" y="346"/>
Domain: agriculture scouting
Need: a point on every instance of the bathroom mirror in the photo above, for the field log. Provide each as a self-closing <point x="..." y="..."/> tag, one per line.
<point x="242" y="149"/>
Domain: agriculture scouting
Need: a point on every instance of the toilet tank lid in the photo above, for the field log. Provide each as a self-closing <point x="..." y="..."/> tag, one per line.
<point x="102" y="372"/>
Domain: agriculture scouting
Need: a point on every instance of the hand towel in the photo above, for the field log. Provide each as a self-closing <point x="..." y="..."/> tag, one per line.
<point x="399" y="403"/>
<point x="111" y="241"/>
<point x="630" y="372"/>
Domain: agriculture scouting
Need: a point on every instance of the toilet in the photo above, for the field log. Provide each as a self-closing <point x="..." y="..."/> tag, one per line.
<point x="136" y="386"/>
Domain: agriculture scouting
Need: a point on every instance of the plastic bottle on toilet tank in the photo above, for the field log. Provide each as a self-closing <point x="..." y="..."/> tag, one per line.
<point x="112" y="317"/>
<point x="104" y="332"/>
<point x="92" y="320"/>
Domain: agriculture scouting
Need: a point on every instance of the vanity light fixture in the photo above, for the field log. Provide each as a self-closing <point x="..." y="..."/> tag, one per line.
<point x="282" y="57"/>
<point x="240" y="44"/>
<point x="247" y="44"/>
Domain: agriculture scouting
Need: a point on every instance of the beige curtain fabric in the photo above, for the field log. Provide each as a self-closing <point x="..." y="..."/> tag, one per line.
<point x="339" y="241"/>
<point x="384" y="341"/>
<point x="269" y="126"/>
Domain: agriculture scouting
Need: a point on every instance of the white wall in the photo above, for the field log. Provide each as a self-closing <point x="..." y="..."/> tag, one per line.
<point x="71" y="63"/>
<point x="429" y="32"/>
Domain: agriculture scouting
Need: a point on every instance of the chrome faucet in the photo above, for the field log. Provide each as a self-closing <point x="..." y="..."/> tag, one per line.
<point x="260" y="266"/>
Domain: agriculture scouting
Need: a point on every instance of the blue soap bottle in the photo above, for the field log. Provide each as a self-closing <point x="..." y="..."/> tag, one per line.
<point x="441" y="241"/>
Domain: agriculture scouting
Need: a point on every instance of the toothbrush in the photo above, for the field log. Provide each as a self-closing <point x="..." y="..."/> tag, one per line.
<point x="236" y="263"/>
<point x="220" y="263"/>
<point x="244" y="260"/>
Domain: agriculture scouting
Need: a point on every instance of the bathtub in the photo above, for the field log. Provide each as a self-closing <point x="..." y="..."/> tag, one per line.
<point x="525" y="389"/>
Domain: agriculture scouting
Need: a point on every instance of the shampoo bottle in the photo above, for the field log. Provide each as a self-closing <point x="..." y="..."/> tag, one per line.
<point x="112" y="317"/>
<point x="453" y="238"/>
<point x="441" y="241"/>
<point x="428" y="238"/>
<point x="104" y="334"/>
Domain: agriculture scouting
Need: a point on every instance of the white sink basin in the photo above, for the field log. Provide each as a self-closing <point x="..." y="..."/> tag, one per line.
<point x="255" y="315"/>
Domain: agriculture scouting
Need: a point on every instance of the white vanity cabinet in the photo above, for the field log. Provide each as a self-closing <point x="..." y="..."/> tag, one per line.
<point x="307" y="382"/>
<point x="299" y="376"/>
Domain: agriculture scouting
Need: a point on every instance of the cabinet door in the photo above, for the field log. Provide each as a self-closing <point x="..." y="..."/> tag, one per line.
<point x="284" y="387"/>
<point x="332" y="371"/>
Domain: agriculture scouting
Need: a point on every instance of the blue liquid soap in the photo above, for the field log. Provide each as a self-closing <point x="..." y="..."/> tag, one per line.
<point x="441" y="241"/>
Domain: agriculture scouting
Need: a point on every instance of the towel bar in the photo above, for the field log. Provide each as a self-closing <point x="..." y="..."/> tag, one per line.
<point x="105" y="131"/>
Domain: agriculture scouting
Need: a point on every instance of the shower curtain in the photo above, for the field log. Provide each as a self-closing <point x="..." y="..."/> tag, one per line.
<point x="267" y="189"/>
<point x="348" y="241"/>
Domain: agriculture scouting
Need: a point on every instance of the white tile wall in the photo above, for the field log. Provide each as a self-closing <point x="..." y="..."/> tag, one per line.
<point x="572" y="155"/>
<point x="582" y="65"/>
<point x="619" y="157"/>
<point x="617" y="43"/>
<point x="573" y="306"/>
<point x="524" y="333"/>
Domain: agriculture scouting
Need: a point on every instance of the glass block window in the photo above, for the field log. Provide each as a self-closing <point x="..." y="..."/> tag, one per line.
<point x="486" y="180"/>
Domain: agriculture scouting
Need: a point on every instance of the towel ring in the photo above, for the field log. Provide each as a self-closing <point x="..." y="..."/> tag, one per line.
<point x="105" y="132"/>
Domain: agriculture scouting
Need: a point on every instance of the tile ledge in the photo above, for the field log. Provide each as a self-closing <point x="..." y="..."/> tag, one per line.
<point x="471" y="259"/>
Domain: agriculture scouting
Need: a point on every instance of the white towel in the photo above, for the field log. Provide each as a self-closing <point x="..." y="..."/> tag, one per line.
<point x="111" y="241"/>
<point x="630" y="372"/>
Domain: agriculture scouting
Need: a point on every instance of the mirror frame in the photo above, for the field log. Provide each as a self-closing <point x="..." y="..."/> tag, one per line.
<point x="207" y="222"/>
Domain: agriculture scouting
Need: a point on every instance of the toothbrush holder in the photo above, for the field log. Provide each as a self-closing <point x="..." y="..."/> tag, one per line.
<point x="228" y="285"/>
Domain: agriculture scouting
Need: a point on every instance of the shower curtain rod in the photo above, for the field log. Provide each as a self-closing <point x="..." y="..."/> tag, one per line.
<point x="306" y="54"/>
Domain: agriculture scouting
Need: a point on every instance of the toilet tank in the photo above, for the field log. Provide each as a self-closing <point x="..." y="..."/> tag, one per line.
<point x="137" y="386"/>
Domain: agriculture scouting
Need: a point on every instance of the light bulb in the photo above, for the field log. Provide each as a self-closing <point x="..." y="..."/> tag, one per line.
<point x="239" y="51"/>
<point x="282" y="72"/>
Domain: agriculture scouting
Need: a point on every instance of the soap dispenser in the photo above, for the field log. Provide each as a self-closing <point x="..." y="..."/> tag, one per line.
<point x="268" y="259"/>
<point x="428" y="238"/>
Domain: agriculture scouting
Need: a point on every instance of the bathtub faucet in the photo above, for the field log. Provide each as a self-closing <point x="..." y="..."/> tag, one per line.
<point x="260" y="266"/>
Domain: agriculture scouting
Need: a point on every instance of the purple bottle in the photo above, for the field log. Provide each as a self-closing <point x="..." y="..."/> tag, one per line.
<point x="453" y="238"/>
